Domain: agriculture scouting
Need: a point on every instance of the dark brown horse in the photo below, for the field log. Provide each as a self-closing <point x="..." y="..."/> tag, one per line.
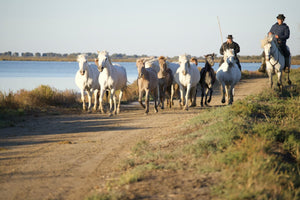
<point x="165" y="81"/>
<point x="207" y="78"/>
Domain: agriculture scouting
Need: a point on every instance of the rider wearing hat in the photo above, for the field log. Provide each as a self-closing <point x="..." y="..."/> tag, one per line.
<point x="230" y="44"/>
<point x="281" y="32"/>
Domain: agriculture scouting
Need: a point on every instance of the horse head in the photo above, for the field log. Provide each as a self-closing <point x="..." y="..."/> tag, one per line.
<point x="82" y="64"/>
<point x="210" y="59"/>
<point x="103" y="60"/>
<point x="184" y="64"/>
<point x="266" y="44"/>
<point x="140" y="64"/>
<point x="194" y="60"/>
<point x="229" y="57"/>
<point x="162" y="64"/>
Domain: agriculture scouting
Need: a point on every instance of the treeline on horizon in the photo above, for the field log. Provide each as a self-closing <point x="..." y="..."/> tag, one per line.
<point x="116" y="57"/>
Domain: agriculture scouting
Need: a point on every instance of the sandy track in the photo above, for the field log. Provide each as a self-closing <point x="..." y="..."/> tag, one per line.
<point x="68" y="156"/>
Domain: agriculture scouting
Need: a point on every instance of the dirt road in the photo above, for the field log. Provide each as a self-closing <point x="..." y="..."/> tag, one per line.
<point x="68" y="156"/>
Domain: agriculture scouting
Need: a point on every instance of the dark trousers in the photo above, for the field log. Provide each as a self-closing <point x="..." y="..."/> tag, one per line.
<point x="286" y="53"/>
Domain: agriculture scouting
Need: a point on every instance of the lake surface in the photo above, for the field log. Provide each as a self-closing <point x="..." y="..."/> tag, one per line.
<point x="16" y="75"/>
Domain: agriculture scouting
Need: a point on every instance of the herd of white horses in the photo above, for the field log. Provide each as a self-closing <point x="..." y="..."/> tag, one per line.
<point x="158" y="77"/>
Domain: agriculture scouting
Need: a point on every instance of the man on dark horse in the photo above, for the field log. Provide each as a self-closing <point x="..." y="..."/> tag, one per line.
<point x="230" y="44"/>
<point x="281" y="32"/>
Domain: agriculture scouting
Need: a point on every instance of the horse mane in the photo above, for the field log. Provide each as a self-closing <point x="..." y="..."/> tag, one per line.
<point x="184" y="57"/>
<point x="194" y="60"/>
<point x="106" y="54"/>
<point x="81" y="57"/>
<point x="162" y="60"/>
<point x="264" y="41"/>
<point x="140" y="61"/>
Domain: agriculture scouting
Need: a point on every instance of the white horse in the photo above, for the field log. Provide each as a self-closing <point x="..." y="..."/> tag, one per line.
<point x="153" y="63"/>
<point x="274" y="60"/>
<point x="228" y="75"/>
<point x="87" y="80"/>
<point x="112" y="77"/>
<point x="189" y="77"/>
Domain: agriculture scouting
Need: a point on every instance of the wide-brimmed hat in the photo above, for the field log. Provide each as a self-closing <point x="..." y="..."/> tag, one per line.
<point x="229" y="37"/>
<point x="280" y="16"/>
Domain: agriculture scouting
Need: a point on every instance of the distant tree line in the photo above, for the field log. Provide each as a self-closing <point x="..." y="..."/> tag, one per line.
<point x="116" y="56"/>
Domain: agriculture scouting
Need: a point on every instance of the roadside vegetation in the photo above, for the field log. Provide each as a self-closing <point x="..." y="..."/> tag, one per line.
<point x="43" y="99"/>
<point x="250" y="150"/>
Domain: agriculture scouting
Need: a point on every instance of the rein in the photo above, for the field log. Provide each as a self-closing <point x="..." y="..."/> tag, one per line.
<point x="273" y="65"/>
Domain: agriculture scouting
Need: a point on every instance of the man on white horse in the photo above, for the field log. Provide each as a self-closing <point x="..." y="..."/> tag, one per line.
<point x="230" y="44"/>
<point x="281" y="32"/>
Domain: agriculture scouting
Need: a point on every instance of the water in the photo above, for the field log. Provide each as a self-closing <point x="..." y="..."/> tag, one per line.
<point x="16" y="75"/>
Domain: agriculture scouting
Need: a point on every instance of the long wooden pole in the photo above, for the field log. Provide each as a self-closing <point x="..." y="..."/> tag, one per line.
<point x="220" y="32"/>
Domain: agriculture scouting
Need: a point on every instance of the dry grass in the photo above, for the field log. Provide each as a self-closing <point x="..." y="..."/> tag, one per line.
<point x="249" y="150"/>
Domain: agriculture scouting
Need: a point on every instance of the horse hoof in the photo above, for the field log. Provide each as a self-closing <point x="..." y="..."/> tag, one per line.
<point x="110" y="115"/>
<point x="289" y="82"/>
<point x="223" y="101"/>
<point x="145" y="113"/>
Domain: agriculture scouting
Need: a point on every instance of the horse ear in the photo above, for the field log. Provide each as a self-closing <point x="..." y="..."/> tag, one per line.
<point x="98" y="51"/>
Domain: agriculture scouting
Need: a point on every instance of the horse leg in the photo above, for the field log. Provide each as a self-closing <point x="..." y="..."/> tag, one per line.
<point x="155" y="103"/>
<point x="96" y="99"/>
<point x="147" y="101"/>
<point x="162" y="96"/>
<point x="193" y="96"/>
<point x="119" y="104"/>
<point x="140" y="97"/>
<point x="89" y="93"/>
<point x="182" y="94"/>
<point x="289" y="81"/>
<point x="169" y="96"/>
<point x="227" y="88"/>
<point x="210" y="94"/>
<point x="172" y="94"/>
<point x="279" y="81"/>
<point x="112" y="102"/>
<point x="83" y="100"/>
<point x="230" y="94"/>
<point x="206" y="94"/>
<point x="223" y="93"/>
<point x="202" y="95"/>
<point x="101" y="101"/>
<point x="270" y="78"/>
<point x="188" y="90"/>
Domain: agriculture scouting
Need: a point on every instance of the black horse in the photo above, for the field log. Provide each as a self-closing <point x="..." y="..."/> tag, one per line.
<point x="207" y="78"/>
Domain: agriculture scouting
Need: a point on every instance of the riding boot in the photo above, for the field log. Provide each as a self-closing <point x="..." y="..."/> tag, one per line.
<point x="240" y="67"/>
<point x="238" y="63"/>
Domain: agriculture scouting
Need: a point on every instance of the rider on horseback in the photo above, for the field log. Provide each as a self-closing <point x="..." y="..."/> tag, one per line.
<point x="230" y="44"/>
<point x="282" y="33"/>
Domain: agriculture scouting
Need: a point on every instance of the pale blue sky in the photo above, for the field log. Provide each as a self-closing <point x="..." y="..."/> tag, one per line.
<point x="152" y="27"/>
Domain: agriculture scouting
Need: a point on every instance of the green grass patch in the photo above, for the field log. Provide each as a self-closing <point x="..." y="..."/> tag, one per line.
<point x="250" y="149"/>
